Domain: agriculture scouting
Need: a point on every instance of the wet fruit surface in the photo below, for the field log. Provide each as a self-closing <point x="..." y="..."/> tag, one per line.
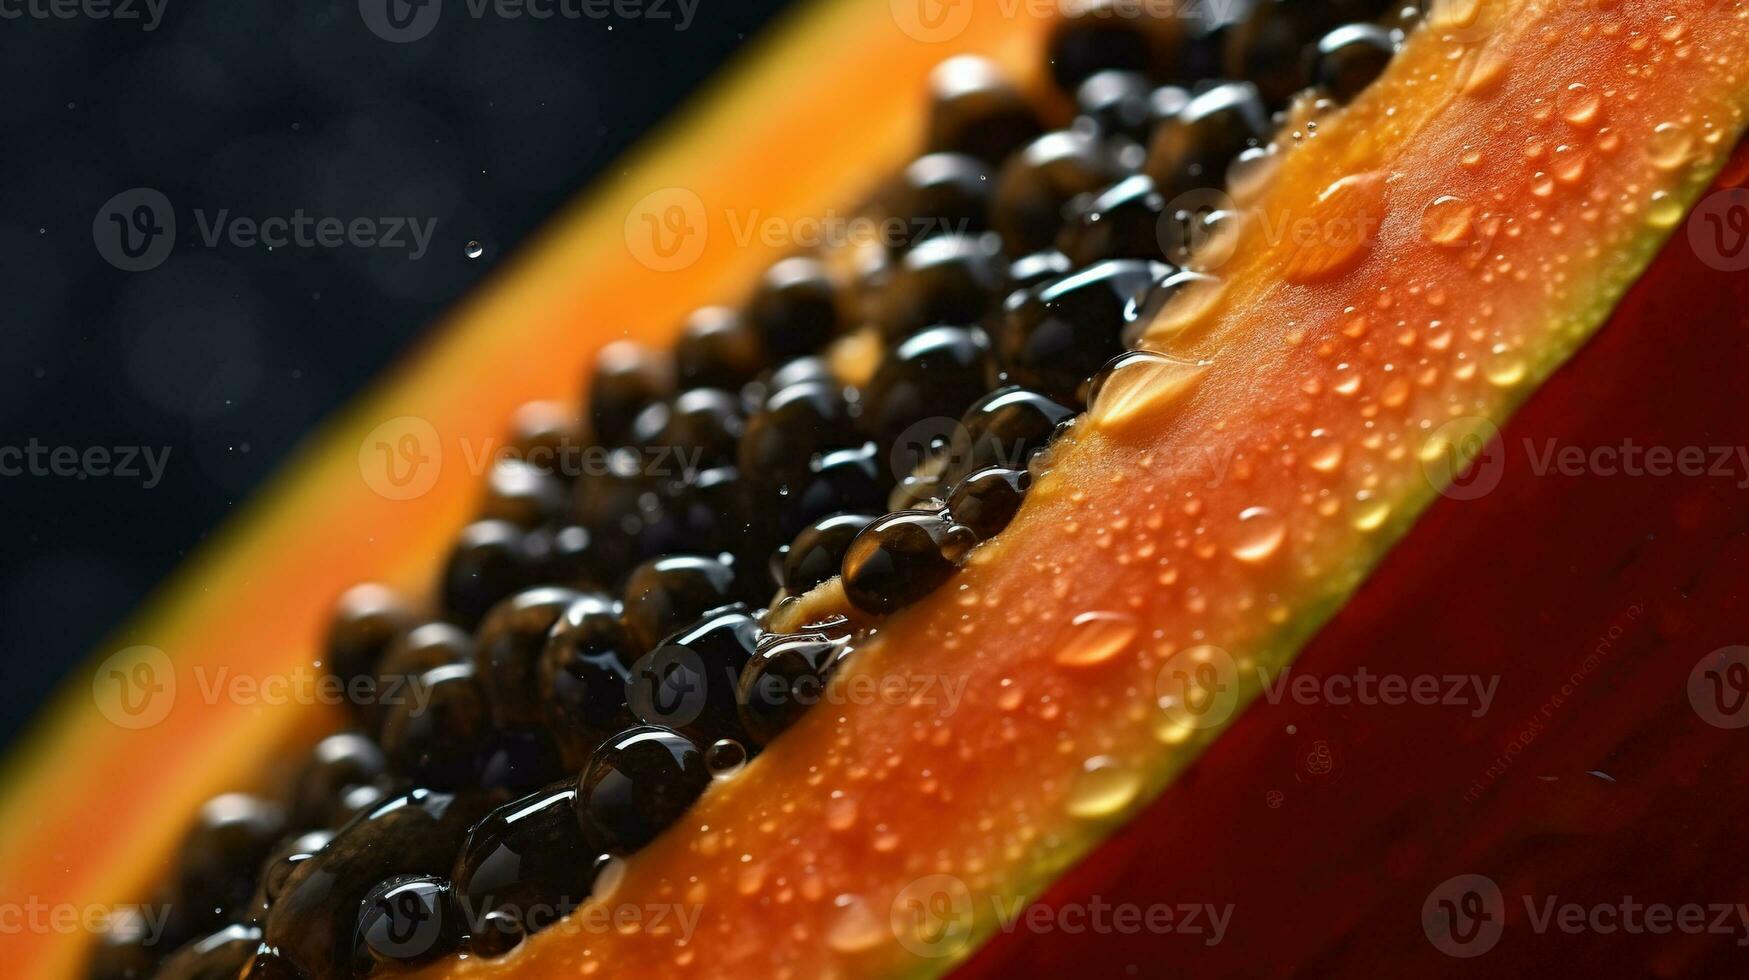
<point x="1229" y="558"/>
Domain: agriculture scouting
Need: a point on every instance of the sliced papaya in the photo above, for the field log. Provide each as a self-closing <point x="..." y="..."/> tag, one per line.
<point x="1386" y="289"/>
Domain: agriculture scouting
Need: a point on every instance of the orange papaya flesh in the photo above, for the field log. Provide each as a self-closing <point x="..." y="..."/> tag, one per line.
<point x="846" y="916"/>
<point x="1215" y="508"/>
<point x="808" y="122"/>
<point x="1586" y="598"/>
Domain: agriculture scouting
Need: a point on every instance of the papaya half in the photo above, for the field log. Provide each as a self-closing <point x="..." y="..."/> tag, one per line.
<point x="1063" y="682"/>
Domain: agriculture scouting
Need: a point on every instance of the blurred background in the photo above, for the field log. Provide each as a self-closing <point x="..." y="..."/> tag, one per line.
<point x="454" y="121"/>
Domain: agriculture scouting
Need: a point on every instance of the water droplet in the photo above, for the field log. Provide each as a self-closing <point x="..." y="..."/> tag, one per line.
<point x="1581" y="106"/>
<point x="841" y="813"/>
<point x="957" y="542"/>
<point x="1448" y="221"/>
<point x="1251" y="173"/>
<point x="610" y="873"/>
<point x="1665" y="211"/>
<point x="1371" y="515"/>
<point x="1506" y="371"/>
<point x="474" y="250"/>
<point x="1452" y="14"/>
<point x="1259" y="535"/>
<point x="1668" y="146"/>
<point x="1102" y="788"/>
<point x="1482" y="71"/>
<point x="1137" y="385"/>
<point x="1189" y="297"/>
<point x="1094" y="637"/>
<point x="725" y="757"/>
<point x="1326" y="453"/>
<point x="855" y="927"/>
<point x="1343" y="221"/>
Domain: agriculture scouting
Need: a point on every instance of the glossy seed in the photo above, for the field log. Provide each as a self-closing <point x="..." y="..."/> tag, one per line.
<point x="507" y="652"/>
<point x="1192" y="149"/>
<point x="640" y="782"/>
<point x="974" y="109"/>
<point x="1004" y="428"/>
<point x="987" y="500"/>
<point x="366" y="619"/>
<point x="688" y="681"/>
<point x="897" y="560"/>
<point x="1034" y="185"/>
<point x="717" y="348"/>
<point x="1095" y="36"/>
<point x="218" y="956"/>
<point x="818" y="552"/>
<point x="937" y="372"/>
<point x="583" y="673"/>
<point x="1121" y="222"/>
<point x="951" y="279"/>
<point x="527" y="859"/>
<point x="522" y="494"/>
<point x="938" y="194"/>
<point x="1346" y="60"/>
<point x="1059" y="334"/>
<point x="403" y="922"/>
<point x="668" y="593"/>
<point x="784" y="679"/>
<point x="794" y="309"/>
<point x="1116" y="104"/>
<point x="313" y="924"/>
<point x="232" y="835"/>
<point x="436" y="739"/>
<point x="490" y="560"/>
<point x="336" y="764"/>
<point x="627" y="377"/>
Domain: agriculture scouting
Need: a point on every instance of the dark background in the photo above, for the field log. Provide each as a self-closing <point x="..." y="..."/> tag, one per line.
<point x="229" y="355"/>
